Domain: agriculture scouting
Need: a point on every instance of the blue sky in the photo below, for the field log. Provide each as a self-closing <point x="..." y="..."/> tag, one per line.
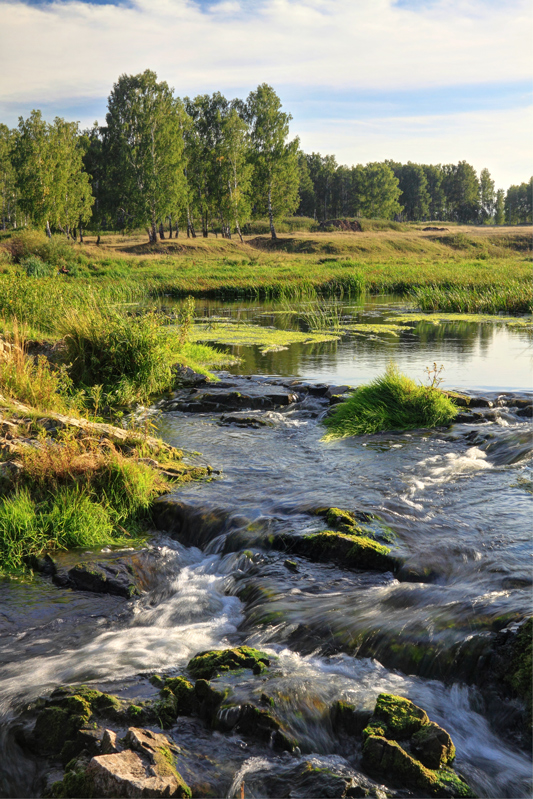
<point x="421" y="80"/>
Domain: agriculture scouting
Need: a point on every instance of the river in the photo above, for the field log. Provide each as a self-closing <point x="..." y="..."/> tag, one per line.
<point x="454" y="503"/>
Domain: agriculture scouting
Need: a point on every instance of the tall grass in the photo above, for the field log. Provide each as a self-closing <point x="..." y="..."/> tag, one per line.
<point x="390" y="402"/>
<point x="512" y="298"/>
<point x="130" y="357"/>
<point x="34" y="381"/>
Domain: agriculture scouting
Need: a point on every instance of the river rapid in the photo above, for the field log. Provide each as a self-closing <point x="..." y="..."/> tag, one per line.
<point x="454" y="504"/>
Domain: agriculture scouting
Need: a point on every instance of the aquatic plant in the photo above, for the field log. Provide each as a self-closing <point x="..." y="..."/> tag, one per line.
<point x="267" y="338"/>
<point x="514" y="297"/>
<point x="390" y="402"/>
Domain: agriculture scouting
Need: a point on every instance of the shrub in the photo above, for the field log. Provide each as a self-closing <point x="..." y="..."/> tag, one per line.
<point x="35" y="267"/>
<point x="390" y="402"/>
<point x="129" y="356"/>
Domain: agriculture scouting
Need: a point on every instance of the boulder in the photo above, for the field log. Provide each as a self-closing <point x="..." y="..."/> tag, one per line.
<point x="206" y="665"/>
<point x="433" y="746"/>
<point x="100" y="578"/>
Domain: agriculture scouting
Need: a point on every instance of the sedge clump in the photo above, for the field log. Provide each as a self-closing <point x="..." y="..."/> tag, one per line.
<point x="392" y="401"/>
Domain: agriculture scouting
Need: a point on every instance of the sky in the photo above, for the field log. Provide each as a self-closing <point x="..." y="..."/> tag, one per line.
<point x="429" y="81"/>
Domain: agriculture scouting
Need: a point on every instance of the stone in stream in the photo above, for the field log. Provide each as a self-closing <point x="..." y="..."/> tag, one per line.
<point x="211" y="663"/>
<point x="102" y="578"/>
<point x="401" y="745"/>
<point x="146" y="767"/>
<point x="351" y="551"/>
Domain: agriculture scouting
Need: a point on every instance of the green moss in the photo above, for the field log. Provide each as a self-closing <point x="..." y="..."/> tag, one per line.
<point x="357" y="551"/>
<point x="206" y="665"/>
<point x="342" y="520"/>
<point x="433" y="746"/>
<point x="56" y="724"/>
<point x="74" y="785"/>
<point x="399" y="716"/>
<point x="520" y="676"/>
<point x="451" y="784"/>
<point x="185" y="695"/>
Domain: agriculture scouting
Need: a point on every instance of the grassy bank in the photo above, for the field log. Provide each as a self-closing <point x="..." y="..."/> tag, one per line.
<point x="127" y="270"/>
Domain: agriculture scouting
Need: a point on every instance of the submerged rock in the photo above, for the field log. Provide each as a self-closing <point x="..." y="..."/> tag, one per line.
<point x="352" y="551"/>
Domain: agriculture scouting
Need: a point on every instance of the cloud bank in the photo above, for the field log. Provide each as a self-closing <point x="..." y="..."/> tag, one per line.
<point x="62" y="53"/>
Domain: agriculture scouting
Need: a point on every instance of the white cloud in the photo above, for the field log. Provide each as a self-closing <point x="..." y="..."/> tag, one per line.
<point x="64" y="49"/>
<point x="499" y="140"/>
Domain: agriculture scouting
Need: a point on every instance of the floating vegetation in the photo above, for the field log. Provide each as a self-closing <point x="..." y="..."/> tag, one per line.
<point x="268" y="339"/>
<point x="363" y="329"/>
<point x="448" y="318"/>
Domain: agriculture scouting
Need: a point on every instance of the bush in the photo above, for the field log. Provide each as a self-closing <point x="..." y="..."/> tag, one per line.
<point x="390" y="402"/>
<point x="35" y="267"/>
<point x="130" y="357"/>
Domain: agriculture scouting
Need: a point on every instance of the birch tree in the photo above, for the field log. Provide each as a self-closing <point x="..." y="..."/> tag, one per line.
<point x="143" y="143"/>
<point x="275" y="160"/>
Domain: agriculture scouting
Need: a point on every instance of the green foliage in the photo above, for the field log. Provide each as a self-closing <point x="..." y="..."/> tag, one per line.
<point x="129" y="356"/>
<point x="34" y="267"/>
<point x="72" y="496"/>
<point x="390" y="402"/>
<point x="54" y="190"/>
<point x="143" y="150"/>
<point x="512" y="298"/>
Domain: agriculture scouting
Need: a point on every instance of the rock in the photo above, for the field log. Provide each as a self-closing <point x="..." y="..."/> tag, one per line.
<point x="109" y="745"/>
<point x="100" y="578"/>
<point x="395" y="717"/>
<point x="206" y="665"/>
<point x="185" y="694"/>
<point x="209" y="699"/>
<point x="185" y="376"/>
<point x="347" y="719"/>
<point x="58" y="723"/>
<point x="480" y="402"/>
<point x="45" y="565"/>
<point x="352" y="551"/>
<point x="291" y="565"/>
<point x="128" y="774"/>
<point x="244" y="420"/>
<point x="433" y="746"/>
<point x="338" y="391"/>
<point x="526" y="411"/>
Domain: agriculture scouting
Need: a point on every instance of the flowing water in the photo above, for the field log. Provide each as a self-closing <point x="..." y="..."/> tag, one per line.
<point x="454" y="504"/>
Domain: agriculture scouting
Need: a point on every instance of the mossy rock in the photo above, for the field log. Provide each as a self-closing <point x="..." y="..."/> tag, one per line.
<point x="74" y="785"/>
<point x="385" y="758"/>
<point x="433" y="746"/>
<point x="209" y="699"/>
<point x="185" y="695"/>
<point x="209" y="664"/>
<point x="341" y="520"/>
<point x="56" y="724"/>
<point x="520" y="674"/>
<point x="399" y="718"/>
<point x="353" y="551"/>
<point x="347" y="719"/>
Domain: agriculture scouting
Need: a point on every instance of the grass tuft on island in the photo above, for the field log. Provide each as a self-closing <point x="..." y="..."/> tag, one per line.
<point x="390" y="402"/>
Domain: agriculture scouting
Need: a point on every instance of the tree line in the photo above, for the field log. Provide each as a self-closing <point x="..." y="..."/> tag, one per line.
<point x="169" y="164"/>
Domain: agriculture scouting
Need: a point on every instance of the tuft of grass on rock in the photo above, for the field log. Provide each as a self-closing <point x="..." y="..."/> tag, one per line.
<point x="390" y="402"/>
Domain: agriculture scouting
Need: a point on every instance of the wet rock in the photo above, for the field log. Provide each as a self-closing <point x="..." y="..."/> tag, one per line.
<point x="526" y="411"/>
<point x="101" y="578"/>
<point x="291" y="565"/>
<point x="57" y="724"/>
<point x="395" y="717"/>
<point x="347" y="719"/>
<point x="404" y="747"/>
<point x="338" y="391"/>
<point x="480" y="402"/>
<point x="243" y="420"/>
<point x="262" y="724"/>
<point x="211" y="663"/>
<point x="352" y="551"/>
<point x="45" y="565"/>
<point x="185" y="694"/>
<point x="185" y="376"/>
<point x="209" y="699"/>
<point x="254" y="397"/>
<point x="433" y="746"/>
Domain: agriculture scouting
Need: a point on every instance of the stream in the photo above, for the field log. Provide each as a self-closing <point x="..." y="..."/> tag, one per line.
<point x="454" y="504"/>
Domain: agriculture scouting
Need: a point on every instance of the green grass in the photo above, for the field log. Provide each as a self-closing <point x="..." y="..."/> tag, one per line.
<point x="71" y="493"/>
<point x="390" y="402"/>
<point x="512" y="298"/>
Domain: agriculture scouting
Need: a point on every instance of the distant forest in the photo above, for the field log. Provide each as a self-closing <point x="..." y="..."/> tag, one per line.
<point x="171" y="165"/>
